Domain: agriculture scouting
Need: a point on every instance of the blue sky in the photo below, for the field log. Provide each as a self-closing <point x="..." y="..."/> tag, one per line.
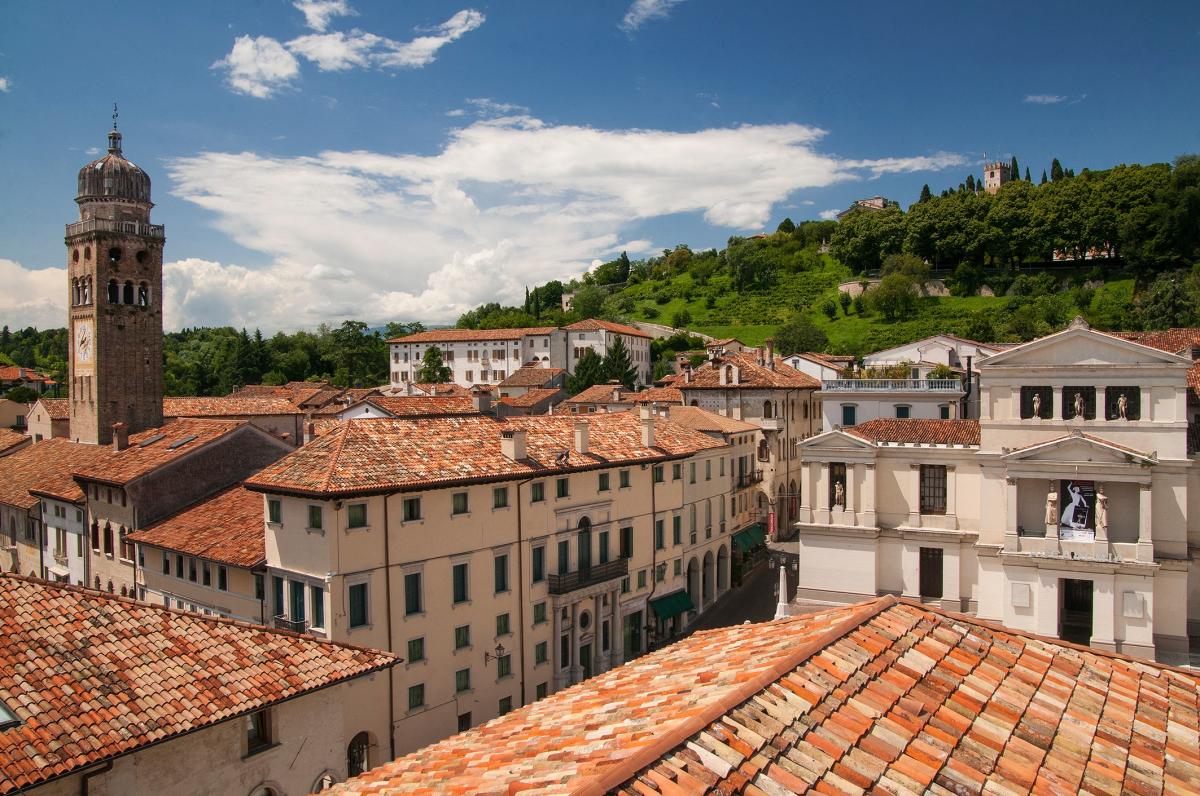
<point x="324" y="159"/>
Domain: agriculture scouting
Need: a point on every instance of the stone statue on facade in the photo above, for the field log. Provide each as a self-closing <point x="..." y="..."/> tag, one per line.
<point x="1079" y="405"/>
<point x="1101" y="512"/>
<point x="1052" y="506"/>
<point x="1123" y="406"/>
<point x="839" y="495"/>
<point x="1037" y="405"/>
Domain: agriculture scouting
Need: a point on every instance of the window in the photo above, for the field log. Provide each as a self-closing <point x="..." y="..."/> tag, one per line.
<point x="222" y="579"/>
<point x="206" y="574"/>
<point x="931" y="572"/>
<point x="623" y="479"/>
<point x="192" y="570"/>
<point x="659" y="536"/>
<point x="108" y="541"/>
<point x="411" y="509"/>
<point x="679" y="566"/>
<point x="500" y="497"/>
<point x="708" y="469"/>
<point x="1079" y="402"/>
<point x="416" y="649"/>
<point x="501" y="571"/>
<point x="258" y="731"/>
<point x="259" y="591"/>
<point x="505" y="705"/>
<point x="537" y="492"/>
<point x="462" y="682"/>
<point x="627" y="543"/>
<point x="464" y="721"/>
<point x="944" y="411"/>
<point x="677" y="527"/>
<point x="274" y="510"/>
<point x="356" y="515"/>
<point x="316" y="518"/>
<point x="277" y="594"/>
<point x="602" y="482"/>
<point x="503" y="626"/>
<point x="902" y="411"/>
<point x="539" y="564"/>
<point x="462" y="636"/>
<point x="641" y="578"/>
<point x="1122" y="403"/>
<point x="849" y="415"/>
<point x="316" y="596"/>
<point x="562" y="488"/>
<point x="604" y="547"/>
<point x="541" y="690"/>
<point x="297" y="592"/>
<point x="1037" y="402"/>
<point x="660" y="573"/>
<point x="504" y="666"/>
<point x="461" y="593"/>
<point x="459" y="503"/>
<point x="933" y="489"/>
<point x="541" y="653"/>
<point x="539" y="613"/>
<point x="412" y="593"/>
<point x="691" y="472"/>
<point x="416" y="696"/>
<point x="564" y="651"/>
<point x="564" y="557"/>
<point x="657" y="473"/>
<point x="837" y="477"/>
<point x="359" y="615"/>
<point x="676" y="471"/>
<point x="166" y="564"/>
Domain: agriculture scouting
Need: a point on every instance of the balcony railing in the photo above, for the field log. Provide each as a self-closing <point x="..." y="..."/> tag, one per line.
<point x="564" y="584"/>
<point x="891" y="385"/>
<point x="109" y="225"/>
<point x="294" y="625"/>
<point x="749" y="479"/>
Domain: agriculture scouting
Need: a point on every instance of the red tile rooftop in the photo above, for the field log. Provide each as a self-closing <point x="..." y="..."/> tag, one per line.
<point x="531" y="397"/>
<point x="698" y="419"/>
<point x="471" y="335"/>
<point x="45" y="467"/>
<point x="151" y="449"/>
<point x="751" y="375"/>
<point x="915" y="431"/>
<point x="608" y="393"/>
<point x="887" y="696"/>
<point x="1173" y="341"/>
<point x="384" y="455"/>
<point x="91" y="676"/>
<point x="595" y="325"/>
<point x="531" y="376"/>
<point x="228" y="406"/>
<point x="56" y="408"/>
<point x="10" y="439"/>
<point x="226" y="528"/>
<point x="424" y="405"/>
<point x="659" y="395"/>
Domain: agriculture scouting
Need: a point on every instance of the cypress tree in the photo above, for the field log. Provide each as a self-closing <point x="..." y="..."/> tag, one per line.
<point x="971" y="183"/>
<point x="1015" y="170"/>
<point x="1027" y="178"/>
<point x="1056" y="171"/>
<point x="926" y="194"/>
<point x="1043" y="177"/>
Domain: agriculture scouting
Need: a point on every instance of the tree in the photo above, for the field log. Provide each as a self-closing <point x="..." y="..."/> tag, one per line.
<point x="1168" y="302"/>
<point x="864" y="237"/>
<point x="587" y="302"/>
<point x="22" y="394"/>
<point x="895" y="297"/>
<point x="799" y="334"/>
<point x="845" y="300"/>
<point x="1043" y="182"/>
<point x="617" y="366"/>
<point x="433" y="370"/>
<point x="908" y="264"/>
<point x="1027" y="177"/>
<point x="1015" y="169"/>
<point x="926" y="194"/>
<point x="681" y="318"/>
<point x="970" y="183"/>
<point x="589" y="370"/>
<point x="787" y="226"/>
<point x="829" y="307"/>
<point x="1056" y="171"/>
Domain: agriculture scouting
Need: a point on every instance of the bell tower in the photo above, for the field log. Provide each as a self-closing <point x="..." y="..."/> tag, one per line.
<point x="114" y="281"/>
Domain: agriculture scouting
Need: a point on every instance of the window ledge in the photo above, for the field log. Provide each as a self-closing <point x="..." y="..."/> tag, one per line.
<point x="260" y="750"/>
<point x="414" y="521"/>
<point x="455" y="516"/>
<point x="357" y="628"/>
<point x="274" y="525"/>
<point x="318" y="531"/>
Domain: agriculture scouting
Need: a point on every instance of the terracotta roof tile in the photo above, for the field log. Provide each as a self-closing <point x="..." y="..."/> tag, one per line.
<point x="122" y="661"/>
<point x="226" y="527"/>
<point x="1193" y="379"/>
<point x="228" y="406"/>
<point x="151" y="449"/>
<point x="1173" y="341"/>
<point x="751" y="375"/>
<point x="17" y="373"/>
<point x="424" y="405"/>
<point x="595" y="325"/>
<point x="10" y="439"/>
<point x="608" y="393"/>
<point x="532" y="376"/>
<point x="364" y="456"/>
<point x="45" y="467"/>
<point x="884" y="696"/>
<point x="914" y="431"/>
<point x="469" y="335"/>
<point x="532" y="397"/>
<point x="659" y="395"/>
<point x="698" y="419"/>
<point x="449" y="388"/>
<point x="56" y="408"/>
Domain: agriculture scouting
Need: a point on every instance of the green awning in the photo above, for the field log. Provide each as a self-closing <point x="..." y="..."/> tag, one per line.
<point x="749" y="538"/>
<point x="672" y="604"/>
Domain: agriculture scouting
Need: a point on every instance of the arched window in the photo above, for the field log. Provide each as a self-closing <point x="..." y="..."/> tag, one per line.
<point x="114" y="255"/>
<point x="75" y="291"/>
<point x="729" y="374"/>
<point x="128" y="297"/>
<point x="358" y="754"/>
<point x="108" y="540"/>
<point x="143" y="295"/>
<point x="767" y="410"/>
<point x="114" y="292"/>
<point x="87" y="290"/>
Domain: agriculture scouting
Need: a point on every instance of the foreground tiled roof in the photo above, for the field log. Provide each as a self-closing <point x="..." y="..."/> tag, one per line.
<point x="56" y="408"/>
<point x="698" y="419"/>
<point x="145" y="453"/>
<point x="45" y="467"/>
<point x="602" y="394"/>
<point x="914" y="431"/>
<point x="424" y="405"/>
<point x="92" y="676"/>
<point x="752" y="375"/>
<point x="372" y="456"/>
<point x="1173" y="341"/>
<point x="10" y="439"/>
<point x="531" y="376"/>
<point x="886" y="696"/>
<point x="1193" y="379"/>
<point x="595" y="325"/>
<point x="660" y="395"/>
<point x="226" y="528"/>
<point x="228" y="406"/>
<point x="532" y="397"/>
<point x="470" y="335"/>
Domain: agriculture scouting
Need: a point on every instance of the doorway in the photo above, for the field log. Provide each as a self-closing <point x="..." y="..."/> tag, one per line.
<point x="1075" y="610"/>
<point x="931" y="573"/>
<point x="585" y="660"/>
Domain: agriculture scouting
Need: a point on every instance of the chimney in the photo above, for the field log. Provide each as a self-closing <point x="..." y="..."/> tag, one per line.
<point x="770" y="344"/>
<point x="408" y="388"/>
<point x="481" y="400"/>
<point x="120" y="436"/>
<point x="687" y="374"/>
<point x="309" y="431"/>
<point x="581" y="436"/>
<point x="616" y="395"/>
<point x="647" y="412"/>
<point x="512" y="444"/>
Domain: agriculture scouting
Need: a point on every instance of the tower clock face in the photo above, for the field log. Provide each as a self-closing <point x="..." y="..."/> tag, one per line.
<point x="85" y="342"/>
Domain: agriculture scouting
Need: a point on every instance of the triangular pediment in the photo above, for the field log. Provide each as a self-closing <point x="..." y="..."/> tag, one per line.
<point x="1077" y="346"/>
<point x="836" y="440"/>
<point x="1081" y="448"/>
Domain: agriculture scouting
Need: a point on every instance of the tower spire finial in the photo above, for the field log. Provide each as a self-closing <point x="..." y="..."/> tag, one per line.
<point x="115" y="114"/>
<point x="114" y="137"/>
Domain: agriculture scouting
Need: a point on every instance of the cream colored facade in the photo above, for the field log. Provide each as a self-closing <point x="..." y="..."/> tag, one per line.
<point x="550" y="590"/>
<point x="1023" y="538"/>
<point x="190" y="583"/>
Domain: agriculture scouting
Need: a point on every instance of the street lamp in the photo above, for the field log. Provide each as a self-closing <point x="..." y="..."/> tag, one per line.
<point x="490" y="656"/>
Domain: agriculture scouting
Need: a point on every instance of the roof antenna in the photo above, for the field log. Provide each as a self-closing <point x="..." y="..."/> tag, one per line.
<point x="115" y="114"/>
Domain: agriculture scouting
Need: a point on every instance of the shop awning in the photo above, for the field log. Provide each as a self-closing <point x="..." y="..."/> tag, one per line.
<point x="672" y="604"/>
<point x="749" y="538"/>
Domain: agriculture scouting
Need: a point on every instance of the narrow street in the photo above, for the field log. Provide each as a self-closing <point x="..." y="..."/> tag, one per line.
<point x="753" y="601"/>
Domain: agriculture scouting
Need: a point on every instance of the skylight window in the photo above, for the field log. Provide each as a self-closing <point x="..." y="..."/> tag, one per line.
<point x="8" y="719"/>
<point x="151" y="440"/>
<point x="179" y="443"/>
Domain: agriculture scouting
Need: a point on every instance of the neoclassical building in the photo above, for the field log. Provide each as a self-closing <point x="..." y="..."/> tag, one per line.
<point x="1064" y="510"/>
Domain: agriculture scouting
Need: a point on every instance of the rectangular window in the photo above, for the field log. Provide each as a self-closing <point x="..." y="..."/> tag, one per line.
<point x="564" y="557"/>
<point x="708" y="469"/>
<point x="500" y="497"/>
<point x="504" y="666"/>
<point x="166" y="564"/>
<point x="1037" y="402"/>
<point x="539" y="564"/>
<point x="564" y="651"/>
<point x="416" y="696"/>
<point x="356" y="515"/>
<point x="222" y="579"/>
<point x="660" y="573"/>
<point x="274" y="510"/>
<point x="277" y="595"/>
<point x="505" y="705"/>
<point x="541" y="690"/>
<point x="604" y="547"/>
<point x="837" y="477"/>
<point x="678" y="566"/>
<point x="501" y="572"/>
<point x="657" y="473"/>
<point x="539" y="613"/>
<point x="641" y="578"/>
<point x="677" y="529"/>
<point x="691" y="472"/>
<point x="297" y="592"/>
<point x="1122" y="403"/>
<point x="537" y="492"/>
<point x="411" y="509"/>
<point x="944" y="411"/>
<point x="416" y="649"/>
<point x="259" y="591"/>
<point x="462" y="636"/>
<point x="412" y="593"/>
<point x="676" y="471"/>
<point x="902" y="411"/>
<point x="503" y="626"/>
<point x="192" y="570"/>
<point x="623" y="479"/>
<point x="205" y="574"/>
<point x="461" y="593"/>
<point x="359" y="615"/>
<point x="933" y="489"/>
<point x="625" y="585"/>
<point x="627" y="543"/>
<point x="258" y="731"/>
<point x="316" y="595"/>
<point x="849" y="415"/>
<point x="459" y="503"/>
<point x="541" y="653"/>
<point x="316" y="517"/>
<point x="464" y="719"/>
<point x="1079" y="403"/>
<point x="602" y="482"/>
<point x="931" y="572"/>
<point x="659" y="535"/>
<point x="562" y="488"/>
<point x="462" y="682"/>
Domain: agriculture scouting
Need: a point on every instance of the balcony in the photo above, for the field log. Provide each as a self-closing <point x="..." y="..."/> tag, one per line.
<point x="572" y="581"/>
<point x="747" y="480"/>
<point x="124" y="227"/>
<point x="296" y="626"/>
<point x="892" y="385"/>
<point x="768" y="423"/>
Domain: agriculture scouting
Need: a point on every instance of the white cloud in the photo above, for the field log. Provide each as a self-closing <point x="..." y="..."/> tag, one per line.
<point x="317" y="13"/>
<point x="333" y="52"/>
<point x="5" y="84"/>
<point x="1044" y="99"/>
<point x="92" y="150"/>
<point x="456" y="112"/>
<point x="807" y="202"/>
<point x="422" y="50"/>
<point x="486" y="107"/>
<point x="830" y="214"/>
<point x="643" y="11"/>
<point x="32" y="297"/>
<point x="258" y="66"/>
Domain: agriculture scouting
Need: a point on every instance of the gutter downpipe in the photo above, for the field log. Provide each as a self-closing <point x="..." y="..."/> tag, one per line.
<point x="654" y="544"/>
<point x="387" y="595"/>
<point x="521" y="590"/>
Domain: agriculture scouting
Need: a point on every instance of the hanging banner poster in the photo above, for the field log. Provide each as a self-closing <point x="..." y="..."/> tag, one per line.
<point x="1078" y="501"/>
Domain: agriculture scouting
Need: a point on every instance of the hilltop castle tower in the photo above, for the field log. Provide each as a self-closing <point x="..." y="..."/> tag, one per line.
<point x="114" y="281"/>
<point x="995" y="175"/>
